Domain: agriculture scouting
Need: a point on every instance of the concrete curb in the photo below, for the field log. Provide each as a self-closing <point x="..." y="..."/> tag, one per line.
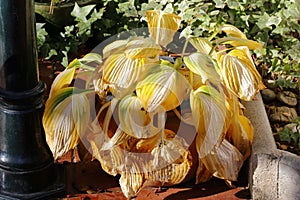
<point x="273" y="174"/>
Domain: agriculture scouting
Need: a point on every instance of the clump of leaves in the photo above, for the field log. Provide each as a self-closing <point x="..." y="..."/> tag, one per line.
<point x="137" y="89"/>
<point x="292" y="137"/>
<point x="274" y="23"/>
<point x="57" y="47"/>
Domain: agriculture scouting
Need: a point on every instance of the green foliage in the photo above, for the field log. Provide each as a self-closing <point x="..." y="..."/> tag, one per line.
<point x="274" y="23"/>
<point x="287" y="83"/>
<point x="287" y="135"/>
<point x="57" y="47"/>
<point x="41" y="35"/>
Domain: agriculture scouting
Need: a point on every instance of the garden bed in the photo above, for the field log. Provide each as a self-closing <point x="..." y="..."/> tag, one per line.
<point x="86" y="179"/>
<point x="272" y="172"/>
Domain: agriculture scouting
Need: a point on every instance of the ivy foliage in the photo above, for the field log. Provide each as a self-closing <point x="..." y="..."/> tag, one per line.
<point x="274" y="23"/>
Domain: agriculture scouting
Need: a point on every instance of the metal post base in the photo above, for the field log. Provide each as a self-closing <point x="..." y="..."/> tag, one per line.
<point x="27" y="170"/>
<point x="54" y="191"/>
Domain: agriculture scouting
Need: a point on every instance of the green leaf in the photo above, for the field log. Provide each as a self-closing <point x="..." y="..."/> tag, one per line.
<point x="234" y="4"/>
<point x="41" y="34"/>
<point x="295" y="137"/>
<point x="97" y="15"/>
<point x="51" y="53"/>
<point x="267" y="21"/>
<point x="57" y="98"/>
<point x="297" y="3"/>
<point x="220" y="4"/>
<point x="65" y="60"/>
<point x="80" y="13"/>
<point x="127" y="8"/>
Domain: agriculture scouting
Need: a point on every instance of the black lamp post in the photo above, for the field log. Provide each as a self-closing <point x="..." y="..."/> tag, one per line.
<point x="26" y="164"/>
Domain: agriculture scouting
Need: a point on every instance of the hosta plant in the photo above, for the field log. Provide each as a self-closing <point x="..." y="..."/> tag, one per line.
<point x="159" y="119"/>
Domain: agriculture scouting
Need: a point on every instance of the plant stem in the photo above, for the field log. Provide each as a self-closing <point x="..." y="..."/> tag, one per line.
<point x="184" y="46"/>
<point x="109" y="115"/>
<point x="212" y="50"/>
<point x="86" y="67"/>
<point x="107" y="104"/>
<point x="181" y="118"/>
<point x="213" y="35"/>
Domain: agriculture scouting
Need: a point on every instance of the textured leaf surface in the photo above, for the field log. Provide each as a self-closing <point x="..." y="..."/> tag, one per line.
<point x="63" y="125"/>
<point x="203" y="66"/>
<point x="134" y="120"/>
<point x="165" y="87"/>
<point x="142" y="48"/>
<point x="115" y="47"/>
<point x="225" y="161"/>
<point x="162" y="26"/>
<point x="232" y="31"/>
<point x="62" y="80"/>
<point x="237" y="42"/>
<point x="209" y="112"/>
<point x="239" y="74"/>
<point x="201" y="44"/>
<point x="240" y="132"/>
<point x="120" y="74"/>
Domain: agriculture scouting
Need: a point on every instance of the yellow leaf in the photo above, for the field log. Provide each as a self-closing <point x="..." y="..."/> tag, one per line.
<point x="63" y="125"/>
<point x="55" y="99"/>
<point x="142" y="48"/>
<point x="107" y="152"/>
<point x="168" y="150"/>
<point x="201" y="44"/>
<point x="172" y="159"/>
<point x="232" y="31"/>
<point x="120" y="74"/>
<point x="225" y="161"/>
<point x="174" y="173"/>
<point x="237" y="42"/>
<point x="164" y="87"/>
<point x="239" y="73"/>
<point x="203" y="66"/>
<point x="202" y="174"/>
<point x="63" y="80"/>
<point x="240" y="132"/>
<point x="147" y="145"/>
<point x="134" y="120"/>
<point x="131" y="182"/>
<point x="162" y="26"/>
<point x="209" y="112"/>
<point x="115" y="47"/>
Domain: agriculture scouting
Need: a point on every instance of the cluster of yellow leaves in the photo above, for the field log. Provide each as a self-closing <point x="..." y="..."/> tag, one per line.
<point x="144" y="89"/>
